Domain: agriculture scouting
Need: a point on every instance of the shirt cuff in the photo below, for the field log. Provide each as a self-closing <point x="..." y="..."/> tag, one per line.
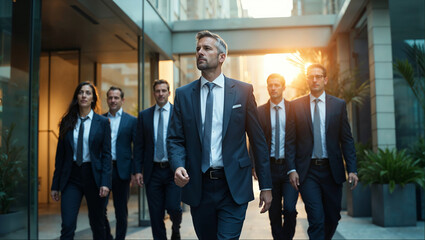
<point x="292" y="170"/>
<point x="265" y="189"/>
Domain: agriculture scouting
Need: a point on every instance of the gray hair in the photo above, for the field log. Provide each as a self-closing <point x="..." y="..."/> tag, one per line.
<point x="220" y="43"/>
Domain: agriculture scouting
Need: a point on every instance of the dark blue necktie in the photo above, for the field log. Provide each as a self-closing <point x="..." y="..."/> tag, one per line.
<point x="80" y="141"/>
<point x="277" y="134"/>
<point x="206" y="140"/>
<point x="317" y="147"/>
<point x="160" y="149"/>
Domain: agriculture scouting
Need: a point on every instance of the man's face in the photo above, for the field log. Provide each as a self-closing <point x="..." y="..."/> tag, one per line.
<point x="114" y="100"/>
<point x="275" y="88"/>
<point x="161" y="94"/>
<point x="316" y="81"/>
<point x="207" y="56"/>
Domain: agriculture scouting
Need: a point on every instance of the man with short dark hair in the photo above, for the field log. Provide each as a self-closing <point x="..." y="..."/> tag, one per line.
<point x="152" y="163"/>
<point x="317" y="135"/>
<point x="207" y="145"/>
<point x="272" y="116"/>
<point x="123" y="134"/>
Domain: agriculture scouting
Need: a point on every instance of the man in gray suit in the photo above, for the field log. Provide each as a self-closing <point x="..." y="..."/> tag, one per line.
<point x="123" y="134"/>
<point x="207" y="145"/>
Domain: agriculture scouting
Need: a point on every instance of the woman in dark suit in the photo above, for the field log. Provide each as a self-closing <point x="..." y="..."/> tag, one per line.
<point x="83" y="162"/>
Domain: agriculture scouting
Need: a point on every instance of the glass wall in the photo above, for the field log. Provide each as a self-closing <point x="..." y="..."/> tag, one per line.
<point x="410" y="119"/>
<point x="19" y="54"/>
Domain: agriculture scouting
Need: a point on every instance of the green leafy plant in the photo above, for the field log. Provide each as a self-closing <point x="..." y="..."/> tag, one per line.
<point x="391" y="167"/>
<point x="417" y="152"/>
<point x="10" y="169"/>
<point x="361" y="151"/>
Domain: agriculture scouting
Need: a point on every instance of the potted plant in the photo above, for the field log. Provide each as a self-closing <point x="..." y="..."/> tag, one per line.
<point x="10" y="176"/>
<point x="358" y="199"/>
<point x="417" y="151"/>
<point x="393" y="175"/>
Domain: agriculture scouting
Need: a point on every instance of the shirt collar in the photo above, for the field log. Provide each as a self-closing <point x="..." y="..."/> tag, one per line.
<point x="219" y="81"/>
<point x="166" y="107"/>
<point x="322" y="97"/>
<point x="117" y="114"/>
<point x="281" y="104"/>
<point x="90" y="115"/>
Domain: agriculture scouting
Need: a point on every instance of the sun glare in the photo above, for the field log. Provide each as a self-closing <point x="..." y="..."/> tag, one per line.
<point x="279" y="63"/>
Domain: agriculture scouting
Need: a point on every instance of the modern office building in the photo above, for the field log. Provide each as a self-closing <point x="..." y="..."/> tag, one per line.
<point x="48" y="46"/>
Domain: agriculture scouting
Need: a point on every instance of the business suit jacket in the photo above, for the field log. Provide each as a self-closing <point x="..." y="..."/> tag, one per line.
<point x="145" y="143"/>
<point x="265" y="121"/>
<point x="125" y="137"/>
<point x="100" y="155"/>
<point x="240" y="117"/>
<point x="299" y="138"/>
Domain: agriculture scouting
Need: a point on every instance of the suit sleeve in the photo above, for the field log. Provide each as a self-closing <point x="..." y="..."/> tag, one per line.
<point x="290" y="138"/>
<point x="258" y="143"/>
<point x="176" y="140"/>
<point x="106" y="179"/>
<point x="347" y="142"/>
<point x="139" y="144"/>
<point x="60" y="156"/>
<point x="133" y="141"/>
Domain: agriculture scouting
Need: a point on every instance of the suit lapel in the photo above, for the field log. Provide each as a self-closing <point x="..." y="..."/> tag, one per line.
<point x="308" y="113"/>
<point x="196" y="99"/>
<point x="93" y="128"/>
<point x="169" y="116"/>
<point x="151" y="123"/>
<point x="328" y="112"/>
<point x="123" y="122"/>
<point x="268" y="120"/>
<point x="229" y="95"/>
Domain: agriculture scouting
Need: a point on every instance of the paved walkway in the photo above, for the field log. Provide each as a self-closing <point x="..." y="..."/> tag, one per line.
<point x="256" y="225"/>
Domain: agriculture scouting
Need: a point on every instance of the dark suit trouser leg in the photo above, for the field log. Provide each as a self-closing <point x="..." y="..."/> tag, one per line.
<point x="282" y="189"/>
<point x="173" y="201"/>
<point x="70" y="205"/>
<point x="95" y="204"/>
<point x="217" y="216"/>
<point x="155" y="193"/>
<point x="120" y="194"/>
<point x="322" y="199"/>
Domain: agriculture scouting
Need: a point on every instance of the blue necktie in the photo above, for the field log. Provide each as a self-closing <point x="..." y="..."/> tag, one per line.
<point x="206" y="140"/>
<point x="160" y="150"/>
<point x="80" y="141"/>
<point x="317" y="148"/>
<point x="277" y="134"/>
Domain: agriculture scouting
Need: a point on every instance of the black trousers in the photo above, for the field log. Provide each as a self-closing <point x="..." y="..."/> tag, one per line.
<point x="120" y="195"/>
<point x="322" y="199"/>
<point x="81" y="183"/>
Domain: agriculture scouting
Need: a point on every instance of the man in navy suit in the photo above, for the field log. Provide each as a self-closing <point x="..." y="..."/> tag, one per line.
<point x="123" y="134"/>
<point x="272" y="116"/>
<point x="317" y="135"/>
<point x="152" y="165"/>
<point x="207" y="145"/>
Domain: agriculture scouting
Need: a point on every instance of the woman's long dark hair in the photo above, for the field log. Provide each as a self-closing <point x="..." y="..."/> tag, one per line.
<point x="70" y="118"/>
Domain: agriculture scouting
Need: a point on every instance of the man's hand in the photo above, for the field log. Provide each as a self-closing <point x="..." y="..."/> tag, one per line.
<point x="181" y="178"/>
<point x="265" y="200"/>
<point x="104" y="191"/>
<point x="254" y="174"/>
<point x="55" y="195"/>
<point x="138" y="178"/>
<point x="294" y="179"/>
<point x="353" y="180"/>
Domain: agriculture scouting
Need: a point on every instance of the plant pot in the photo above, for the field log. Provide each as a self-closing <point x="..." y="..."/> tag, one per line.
<point x="395" y="209"/>
<point x="344" y="197"/>
<point x="358" y="201"/>
<point x="11" y="222"/>
<point x="420" y="203"/>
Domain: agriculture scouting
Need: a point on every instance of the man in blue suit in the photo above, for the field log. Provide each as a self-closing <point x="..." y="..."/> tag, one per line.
<point x="207" y="145"/>
<point x="123" y="134"/>
<point x="272" y="116"/>
<point x="152" y="166"/>
<point x="317" y="135"/>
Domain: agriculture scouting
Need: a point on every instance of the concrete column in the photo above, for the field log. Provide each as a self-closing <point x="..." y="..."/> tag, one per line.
<point x="381" y="74"/>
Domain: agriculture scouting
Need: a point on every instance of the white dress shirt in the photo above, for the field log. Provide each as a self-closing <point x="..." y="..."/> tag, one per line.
<point x="216" y="158"/>
<point x="322" y="111"/>
<point x="165" y="119"/>
<point x="115" y="124"/>
<point x="282" y="123"/>
<point x="87" y="126"/>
